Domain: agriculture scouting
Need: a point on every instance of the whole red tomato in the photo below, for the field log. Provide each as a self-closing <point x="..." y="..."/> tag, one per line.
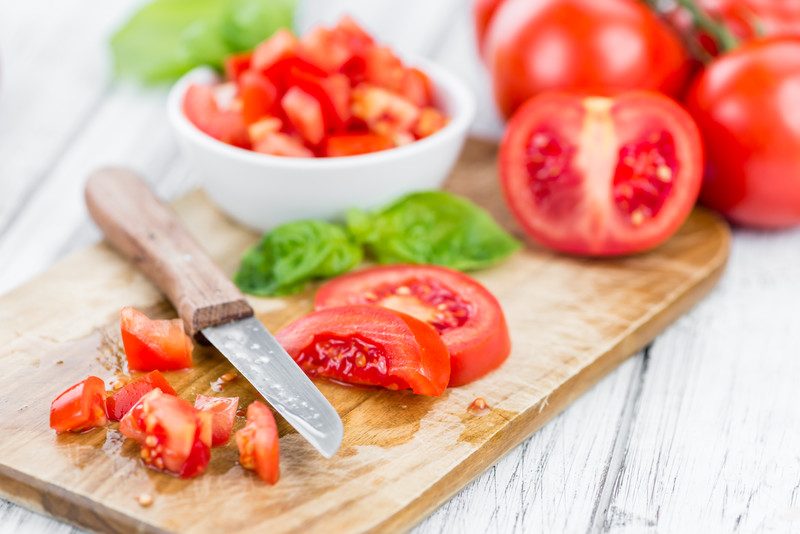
<point x="747" y="105"/>
<point x="588" y="46"/>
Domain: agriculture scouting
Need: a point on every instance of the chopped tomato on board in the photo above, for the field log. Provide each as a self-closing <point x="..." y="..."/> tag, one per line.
<point x="466" y="315"/>
<point x="258" y="444"/>
<point x="223" y="412"/>
<point x="154" y="344"/>
<point x="174" y="436"/>
<point x="122" y="400"/>
<point x="80" y="408"/>
<point x="369" y="345"/>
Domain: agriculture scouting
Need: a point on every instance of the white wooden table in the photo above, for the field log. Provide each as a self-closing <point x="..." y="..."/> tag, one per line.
<point x="700" y="432"/>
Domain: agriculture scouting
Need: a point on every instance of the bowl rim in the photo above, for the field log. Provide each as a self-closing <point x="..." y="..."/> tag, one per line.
<point x="461" y="100"/>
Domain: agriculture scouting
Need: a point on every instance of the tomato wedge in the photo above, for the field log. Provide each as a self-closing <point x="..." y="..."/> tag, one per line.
<point x="80" y="408"/>
<point x="369" y="345"/>
<point x="259" y="448"/>
<point x="600" y="176"/>
<point x="222" y="411"/>
<point x="466" y="315"/>
<point x="174" y="436"/>
<point x="154" y="345"/>
<point x="121" y="401"/>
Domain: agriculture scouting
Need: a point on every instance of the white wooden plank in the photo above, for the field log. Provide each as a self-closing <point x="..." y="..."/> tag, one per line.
<point x="714" y="446"/>
<point x="16" y="520"/>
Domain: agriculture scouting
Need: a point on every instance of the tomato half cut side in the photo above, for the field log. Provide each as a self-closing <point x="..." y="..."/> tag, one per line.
<point x="369" y="345"/>
<point x="80" y="408"/>
<point x="600" y="176"/>
<point x="154" y="345"/>
<point x="122" y="400"/>
<point x="222" y="411"/>
<point x="259" y="448"/>
<point x="466" y="315"/>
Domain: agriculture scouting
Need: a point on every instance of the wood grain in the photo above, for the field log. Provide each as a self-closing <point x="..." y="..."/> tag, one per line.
<point x="572" y="321"/>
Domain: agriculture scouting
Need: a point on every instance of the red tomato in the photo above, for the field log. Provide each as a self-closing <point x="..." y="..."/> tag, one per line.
<point x="354" y="144"/>
<point x="483" y="12"/>
<point x="332" y="93"/>
<point x="369" y="345"/>
<point x="280" y="144"/>
<point x="201" y="108"/>
<point x="222" y="411"/>
<point x="282" y="45"/>
<point x="305" y="113"/>
<point x="384" y="69"/>
<point x="598" y="176"/>
<point x="121" y="401"/>
<point x="746" y="105"/>
<point x="384" y="111"/>
<point x="259" y="448"/>
<point x="587" y="46"/>
<point x="462" y="311"/>
<point x="417" y="87"/>
<point x="173" y="435"/>
<point x="152" y="345"/>
<point x="237" y="64"/>
<point x="259" y="96"/>
<point x="430" y="121"/>
<point x="80" y="408"/>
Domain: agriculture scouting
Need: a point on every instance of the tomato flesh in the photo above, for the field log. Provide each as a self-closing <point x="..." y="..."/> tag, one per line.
<point x="258" y="444"/>
<point x="79" y="408"/>
<point x="121" y="401"/>
<point x="354" y="144"/>
<point x="201" y="107"/>
<point x="222" y="411"/>
<point x="598" y="176"/>
<point x="154" y="345"/>
<point x="466" y="315"/>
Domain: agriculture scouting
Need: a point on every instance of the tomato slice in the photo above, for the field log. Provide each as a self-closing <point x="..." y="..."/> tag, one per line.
<point x="258" y="444"/>
<point x="369" y="345"/>
<point x="80" y="408"/>
<point x="174" y="436"/>
<point x="237" y="64"/>
<point x="305" y="114"/>
<point x="259" y="96"/>
<point x="466" y="315"/>
<point x="354" y="144"/>
<point x="121" y="401"/>
<point x="222" y="411"/>
<point x="154" y="345"/>
<point x="599" y="176"/>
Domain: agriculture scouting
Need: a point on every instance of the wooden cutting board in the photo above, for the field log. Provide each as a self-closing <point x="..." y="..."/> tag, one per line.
<point x="572" y="321"/>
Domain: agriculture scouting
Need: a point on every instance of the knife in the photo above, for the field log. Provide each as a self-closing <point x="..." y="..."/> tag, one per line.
<point x="149" y="233"/>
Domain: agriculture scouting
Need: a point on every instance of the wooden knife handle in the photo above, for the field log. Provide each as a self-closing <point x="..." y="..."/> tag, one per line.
<point x="148" y="233"/>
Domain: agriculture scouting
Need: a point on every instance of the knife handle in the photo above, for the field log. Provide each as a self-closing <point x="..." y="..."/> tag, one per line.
<point x="149" y="233"/>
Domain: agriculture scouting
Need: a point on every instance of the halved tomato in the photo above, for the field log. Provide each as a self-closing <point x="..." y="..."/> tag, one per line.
<point x="201" y="108"/>
<point x="259" y="96"/>
<point x="154" y="345"/>
<point x="305" y="113"/>
<point x="80" y="408"/>
<point x="259" y="448"/>
<point x="173" y="435"/>
<point x="601" y="176"/>
<point x="463" y="312"/>
<point x="354" y="144"/>
<point x="122" y="400"/>
<point x="222" y="411"/>
<point x="369" y="345"/>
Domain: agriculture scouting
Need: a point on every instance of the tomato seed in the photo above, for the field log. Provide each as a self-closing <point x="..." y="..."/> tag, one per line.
<point x="145" y="500"/>
<point x="479" y="407"/>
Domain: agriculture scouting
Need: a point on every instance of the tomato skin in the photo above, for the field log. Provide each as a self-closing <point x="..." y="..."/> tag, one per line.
<point x="570" y="196"/>
<point x="585" y="46"/>
<point x="398" y="351"/>
<point x="478" y="346"/>
<point x="222" y="411"/>
<point x="121" y="401"/>
<point x="258" y="444"/>
<point x="154" y="345"/>
<point x="745" y="104"/>
<point x="80" y="407"/>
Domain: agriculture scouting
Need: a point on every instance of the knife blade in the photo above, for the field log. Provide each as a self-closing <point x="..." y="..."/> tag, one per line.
<point x="149" y="233"/>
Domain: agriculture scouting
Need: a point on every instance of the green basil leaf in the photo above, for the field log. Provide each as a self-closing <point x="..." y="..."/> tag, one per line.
<point x="432" y="227"/>
<point x="295" y="253"/>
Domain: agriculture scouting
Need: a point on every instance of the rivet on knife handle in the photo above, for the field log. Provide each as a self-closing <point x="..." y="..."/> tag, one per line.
<point x="149" y="233"/>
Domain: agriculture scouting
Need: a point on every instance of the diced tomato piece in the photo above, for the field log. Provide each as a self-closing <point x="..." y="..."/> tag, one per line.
<point x="174" y="436"/>
<point x="152" y="345"/>
<point x="305" y="114"/>
<point x="281" y="73"/>
<point x="332" y="93"/>
<point x="201" y="108"/>
<point x="417" y="87"/>
<point x="259" y="96"/>
<point x="259" y="448"/>
<point x="281" y="144"/>
<point x="80" y="408"/>
<point x="237" y="64"/>
<point x="260" y="129"/>
<point x="354" y="144"/>
<point x="357" y="38"/>
<point x="121" y="401"/>
<point x="282" y="45"/>
<point x="384" y="69"/>
<point x="325" y="49"/>
<point x="222" y="411"/>
<point x="383" y="110"/>
<point x="430" y="121"/>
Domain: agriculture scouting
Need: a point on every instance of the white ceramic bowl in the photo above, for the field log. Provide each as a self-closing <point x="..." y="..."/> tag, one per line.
<point x="262" y="191"/>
